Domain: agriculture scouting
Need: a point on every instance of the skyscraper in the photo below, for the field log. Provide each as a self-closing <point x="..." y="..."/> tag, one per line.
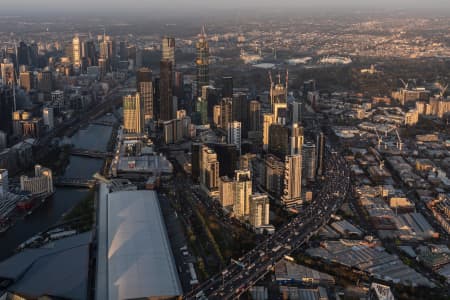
<point x="254" y="115"/>
<point x="209" y="171"/>
<point x="167" y="110"/>
<point x="278" y="140"/>
<point x="227" y="91"/>
<point x="234" y="134"/>
<point x="240" y="111"/>
<point x="296" y="139"/>
<point x="268" y="120"/>
<point x="202" y="62"/>
<point x="168" y="49"/>
<point x="309" y="162"/>
<point x="320" y="145"/>
<point x="295" y="112"/>
<point x="145" y="90"/>
<point x="48" y="116"/>
<point x="292" y="180"/>
<point x="6" y="109"/>
<point x="242" y="192"/>
<point x="7" y="72"/>
<point x="76" y="52"/>
<point x="226" y="112"/>
<point x="133" y="114"/>
<point x="26" y="80"/>
<point x="196" y="149"/>
<point x="23" y="55"/>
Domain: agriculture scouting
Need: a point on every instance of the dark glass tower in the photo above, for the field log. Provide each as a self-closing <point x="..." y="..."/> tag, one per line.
<point x="166" y="96"/>
<point x="202" y="62"/>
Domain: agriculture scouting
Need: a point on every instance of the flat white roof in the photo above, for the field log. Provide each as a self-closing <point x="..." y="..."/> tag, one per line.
<point x="139" y="260"/>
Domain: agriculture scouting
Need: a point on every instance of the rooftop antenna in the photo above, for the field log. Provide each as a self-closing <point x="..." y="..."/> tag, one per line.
<point x="203" y="33"/>
<point x="406" y="85"/>
<point x="442" y="89"/>
<point x="287" y="79"/>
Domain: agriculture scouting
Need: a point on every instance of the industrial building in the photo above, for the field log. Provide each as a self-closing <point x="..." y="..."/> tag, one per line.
<point x="135" y="260"/>
<point x="57" y="270"/>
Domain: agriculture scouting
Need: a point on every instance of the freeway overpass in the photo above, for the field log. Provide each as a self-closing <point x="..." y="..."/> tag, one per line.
<point x="236" y="280"/>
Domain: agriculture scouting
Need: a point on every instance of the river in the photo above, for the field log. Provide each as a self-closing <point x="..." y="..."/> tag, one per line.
<point x="93" y="137"/>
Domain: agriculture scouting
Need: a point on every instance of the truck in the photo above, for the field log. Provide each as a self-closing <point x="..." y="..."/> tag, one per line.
<point x="275" y="249"/>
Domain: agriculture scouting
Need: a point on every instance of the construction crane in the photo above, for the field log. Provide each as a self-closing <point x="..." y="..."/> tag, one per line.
<point x="378" y="157"/>
<point x="442" y="90"/>
<point x="405" y="84"/>
<point x="380" y="140"/>
<point x="399" y="142"/>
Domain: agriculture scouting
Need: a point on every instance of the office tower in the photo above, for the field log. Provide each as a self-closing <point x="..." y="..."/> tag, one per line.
<point x="296" y="139"/>
<point x="167" y="111"/>
<point x="209" y="171"/>
<point x="168" y="49"/>
<point x="123" y="52"/>
<point x="309" y="162"/>
<point x="295" y="112"/>
<point x="23" y="54"/>
<point x="6" y="109"/>
<point x="49" y="118"/>
<point x="178" y="87"/>
<point x="234" y="134"/>
<point x="202" y="62"/>
<point x="145" y="89"/>
<point x="196" y="149"/>
<point x="320" y="152"/>
<point x="226" y="112"/>
<point x="259" y="210"/>
<point x="216" y="115"/>
<point x="7" y="72"/>
<point x="254" y="116"/>
<point x="45" y="81"/>
<point x="133" y="114"/>
<point x="156" y="95"/>
<point x="292" y="181"/>
<point x="173" y="131"/>
<point x="91" y="53"/>
<point x="212" y="97"/>
<point x="227" y="90"/>
<point x="227" y="155"/>
<point x="278" y="140"/>
<point x="3" y="140"/>
<point x="226" y="191"/>
<point x="242" y="192"/>
<point x="4" y="183"/>
<point x="26" y="81"/>
<point x="268" y="120"/>
<point x="240" y="111"/>
<point x="41" y="183"/>
<point x="34" y="54"/>
<point x="76" y="52"/>
<point x="274" y="175"/>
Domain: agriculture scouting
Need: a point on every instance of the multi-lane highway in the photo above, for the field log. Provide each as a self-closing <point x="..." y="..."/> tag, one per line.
<point x="238" y="277"/>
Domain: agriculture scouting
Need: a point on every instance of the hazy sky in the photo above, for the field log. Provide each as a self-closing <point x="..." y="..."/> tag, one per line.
<point x="199" y="6"/>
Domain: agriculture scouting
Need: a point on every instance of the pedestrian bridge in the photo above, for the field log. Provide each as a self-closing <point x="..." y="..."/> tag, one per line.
<point x="90" y="153"/>
<point x="75" y="182"/>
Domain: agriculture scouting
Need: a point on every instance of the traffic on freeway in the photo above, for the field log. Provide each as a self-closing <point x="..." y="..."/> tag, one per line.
<point x="243" y="273"/>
